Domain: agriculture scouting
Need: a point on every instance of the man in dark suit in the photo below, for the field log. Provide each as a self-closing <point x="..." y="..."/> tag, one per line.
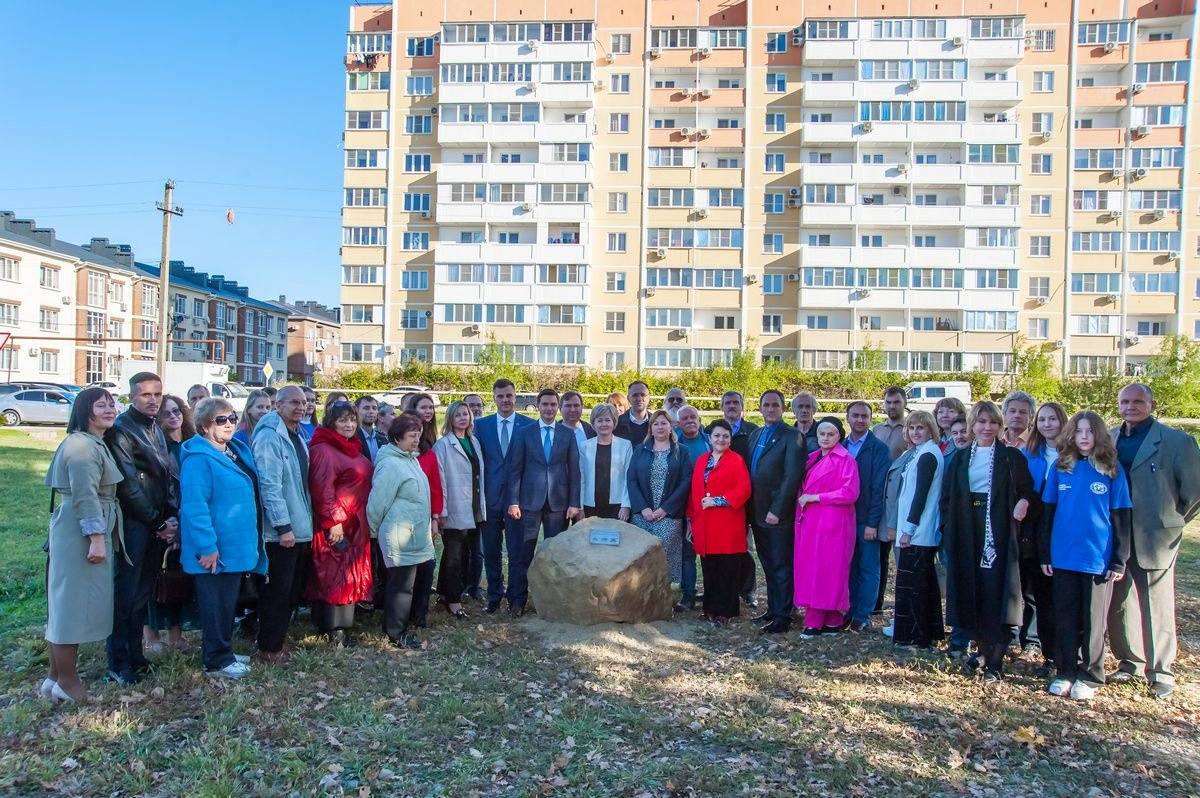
<point x="804" y="408"/>
<point x="496" y="434"/>
<point x="732" y="406"/>
<point x="370" y="438"/>
<point x="572" y="417"/>
<point x="777" y="463"/>
<point x="633" y="424"/>
<point x="544" y="484"/>
<point x="872" y="457"/>
<point x="1163" y="469"/>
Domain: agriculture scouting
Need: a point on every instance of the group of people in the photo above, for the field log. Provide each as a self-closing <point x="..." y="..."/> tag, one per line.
<point x="1047" y="528"/>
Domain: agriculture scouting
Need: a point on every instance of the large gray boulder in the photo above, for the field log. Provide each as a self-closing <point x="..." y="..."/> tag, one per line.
<point x="573" y="580"/>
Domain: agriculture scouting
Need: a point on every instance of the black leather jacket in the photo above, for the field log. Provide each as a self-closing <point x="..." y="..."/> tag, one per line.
<point x="149" y="492"/>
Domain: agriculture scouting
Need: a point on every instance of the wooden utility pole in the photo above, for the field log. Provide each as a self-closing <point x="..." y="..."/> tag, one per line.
<point x="164" y="279"/>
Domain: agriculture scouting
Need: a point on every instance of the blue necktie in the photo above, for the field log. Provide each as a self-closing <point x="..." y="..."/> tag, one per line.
<point x="546" y="442"/>
<point x="763" y="440"/>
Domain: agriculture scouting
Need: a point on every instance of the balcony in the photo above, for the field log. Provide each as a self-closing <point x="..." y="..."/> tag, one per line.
<point x="904" y="132"/>
<point x="831" y="51"/>
<point x="1101" y="98"/>
<point x="572" y="93"/>
<point x="692" y="58"/>
<point x="573" y="171"/>
<point x="514" y="52"/>
<point x="712" y="137"/>
<point x="1001" y="51"/>
<point x="512" y="132"/>
<point x="995" y="91"/>
<point x="491" y="252"/>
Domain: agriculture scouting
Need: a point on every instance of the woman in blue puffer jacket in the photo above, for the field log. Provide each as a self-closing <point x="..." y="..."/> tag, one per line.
<point x="220" y="539"/>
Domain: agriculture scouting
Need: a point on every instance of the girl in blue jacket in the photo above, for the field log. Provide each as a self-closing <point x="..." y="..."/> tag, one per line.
<point x="1083" y="542"/>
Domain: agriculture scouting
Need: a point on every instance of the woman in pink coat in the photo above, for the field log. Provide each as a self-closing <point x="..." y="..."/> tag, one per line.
<point x="825" y="532"/>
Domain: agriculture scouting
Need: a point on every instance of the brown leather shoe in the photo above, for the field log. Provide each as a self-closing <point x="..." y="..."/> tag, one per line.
<point x="281" y="657"/>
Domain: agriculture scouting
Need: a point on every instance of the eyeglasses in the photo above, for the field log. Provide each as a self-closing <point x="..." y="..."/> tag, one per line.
<point x="674" y="400"/>
<point x="175" y="411"/>
<point x="221" y="421"/>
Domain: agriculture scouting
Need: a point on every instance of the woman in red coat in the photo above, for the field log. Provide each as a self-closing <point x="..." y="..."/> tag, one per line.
<point x="340" y="481"/>
<point x="720" y="490"/>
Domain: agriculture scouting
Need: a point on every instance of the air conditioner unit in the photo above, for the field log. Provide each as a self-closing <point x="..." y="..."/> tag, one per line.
<point x="600" y="84"/>
<point x="649" y="291"/>
<point x="1042" y="300"/>
<point x="610" y="57"/>
<point x="1133" y="340"/>
<point x="686" y="131"/>
<point x="706" y="92"/>
<point x="473" y="329"/>
<point x="686" y="92"/>
<point x="66" y="300"/>
<point x="897" y="191"/>
<point x="751" y="279"/>
<point x="433" y="111"/>
<point x="864" y="292"/>
<point x="902" y="168"/>
<point x="798" y="31"/>
<point x="660" y="253"/>
<point x="426" y="214"/>
<point x="958" y="41"/>
<point x="1172" y="255"/>
<point x="682" y="332"/>
<point x="704" y="132"/>
<point x="321" y="344"/>
<point x="526" y="206"/>
<point x="1047" y="135"/>
<point x="1160" y="214"/>
<point x="34" y="352"/>
<point x="1139" y="173"/>
<point x="531" y="85"/>
<point x="1112" y="298"/>
<point x="705" y="51"/>
<point x="868" y="126"/>
<point x="914" y="83"/>
<point x="1141" y="130"/>
<point x="655" y="52"/>
<point x="532" y="44"/>
<point x="793" y="278"/>
<point x="1138" y="88"/>
<point x="798" y="41"/>
<point x="1117" y="172"/>
<point x="1115" y="214"/>
<point x="123" y="307"/>
<point x="702" y="213"/>
<point x="1029" y="38"/>
<point x="1059" y="343"/>
<point x="793" y="192"/>
<point x="794" y="202"/>
<point x="1110" y="47"/>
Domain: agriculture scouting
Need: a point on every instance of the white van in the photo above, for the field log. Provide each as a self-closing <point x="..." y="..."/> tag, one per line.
<point x="925" y="395"/>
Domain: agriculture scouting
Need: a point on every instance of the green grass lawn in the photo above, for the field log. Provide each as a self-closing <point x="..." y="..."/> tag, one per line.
<point x="494" y="706"/>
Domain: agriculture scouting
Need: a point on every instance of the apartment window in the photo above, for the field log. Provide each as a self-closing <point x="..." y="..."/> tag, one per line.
<point x="1038" y="329"/>
<point x="670" y="197"/>
<point x="885" y="111"/>
<point x="925" y="240"/>
<point x="618" y="162"/>
<point x="571" y="72"/>
<point x="1095" y="200"/>
<point x="614" y="321"/>
<point x="673" y="38"/>
<point x="369" y="43"/>
<point x="773" y="243"/>
<point x="885" y="70"/>
<point x="995" y="278"/>
<point x="776" y="83"/>
<point x="1157" y="157"/>
<point x="772" y="323"/>
<point x="1151" y="328"/>
<point x="989" y="320"/>
<point x="873" y="241"/>
<point x="1161" y="36"/>
<point x="463" y="313"/>
<point x="567" y="31"/>
<point x="1158" y="115"/>
<point x="941" y="69"/>
<point x="48" y="320"/>
<point x="366" y="120"/>
<point x="618" y="123"/>
<point x="1000" y="195"/>
<point x="668" y="317"/>
<point x="418" y="85"/>
<point x="1043" y="164"/>
<point x="619" y="84"/>
<point x="614" y="282"/>
<point x="772" y="284"/>
<point x="47" y="275"/>
<point x="198" y="309"/>
<point x="936" y="278"/>
<point x="420" y="47"/>
<point x="365" y="159"/>
<point x="415" y="241"/>
<point x="996" y="27"/>
<point x="1159" y="199"/>
<point x="464" y="273"/>
<point x="561" y="314"/>
<point x="614" y="361"/>
<point x="1039" y="287"/>
<point x="827" y="29"/>
<point x="1043" y="81"/>
<point x="669" y="278"/>
<point x="617" y="242"/>
<point x="718" y="278"/>
<point x="1096" y="242"/>
<point x="1156" y="241"/>
<point x="727" y="163"/>
<point x="48" y="361"/>
<point x="774" y="202"/>
<point x="777" y="42"/>
<point x="414" y="281"/>
<point x="366" y="197"/>
<point x="1154" y="282"/>
<point x="506" y="192"/>
<point x="418" y="124"/>
<point x="777" y="123"/>
<point x="1103" y="32"/>
<point x="1095" y="283"/>
<point x="1108" y="158"/>
<point x="415" y="202"/>
<point x="1042" y="123"/>
<point x="1039" y="205"/>
<point x="774" y="162"/>
<point x="368" y="81"/>
<point x="829" y="277"/>
<point x="413" y="320"/>
<point x="562" y="273"/>
<point x="1096" y="324"/>
<point x="1161" y="72"/>
<point x="820" y="240"/>
<point x="1093" y="365"/>
<point x="671" y="156"/>
<point x="618" y="202"/>
<point x="621" y="44"/>
<point x="416" y="163"/>
<point x="993" y="153"/>
<point x="362" y="314"/>
<point x="10" y="269"/>
<point x="364" y="236"/>
<point x="825" y="194"/>
<point x="1043" y="40"/>
<point x="351" y="275"/>
<point x="96" y="295"/>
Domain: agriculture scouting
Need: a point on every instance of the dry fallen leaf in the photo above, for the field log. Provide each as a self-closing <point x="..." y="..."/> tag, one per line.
<point x="1027" y="735"/>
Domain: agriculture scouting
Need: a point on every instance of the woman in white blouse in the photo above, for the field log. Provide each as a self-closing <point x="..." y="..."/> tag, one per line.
<point x="603" y="460"/>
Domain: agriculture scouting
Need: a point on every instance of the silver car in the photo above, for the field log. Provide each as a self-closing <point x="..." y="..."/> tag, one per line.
<point x="36" y="406"/>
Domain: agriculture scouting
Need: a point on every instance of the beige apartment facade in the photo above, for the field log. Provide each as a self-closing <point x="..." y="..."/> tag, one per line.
<point x="660" y="184"/>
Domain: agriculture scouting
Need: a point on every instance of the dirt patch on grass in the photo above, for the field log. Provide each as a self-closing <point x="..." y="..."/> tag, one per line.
<point x="626" y="641"/>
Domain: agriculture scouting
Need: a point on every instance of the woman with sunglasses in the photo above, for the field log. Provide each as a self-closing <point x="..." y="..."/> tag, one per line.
<point x="220" y="539"/>
<point x="339" y="479"/>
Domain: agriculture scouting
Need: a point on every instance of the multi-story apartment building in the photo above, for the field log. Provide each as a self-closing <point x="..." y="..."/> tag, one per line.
<point x="659" y="184"/>
<point x="314" y="340"/>
<point x="73" y="312"/>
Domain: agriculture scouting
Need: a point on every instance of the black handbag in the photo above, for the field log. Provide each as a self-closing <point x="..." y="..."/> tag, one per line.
<point x="173" y="586"/>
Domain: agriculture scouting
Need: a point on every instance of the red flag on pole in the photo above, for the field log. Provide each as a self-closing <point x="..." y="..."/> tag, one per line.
<point x="229" y="215"/>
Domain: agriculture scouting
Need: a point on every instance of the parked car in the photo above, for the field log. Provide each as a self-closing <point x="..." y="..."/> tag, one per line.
<point x="526" y="403"/>
<point x="13" y="387"/>
<point x="396" y="395"/>
<point x="108" y="385"/>
<point x="36" y="406"/>
<point x="925" y="395"/>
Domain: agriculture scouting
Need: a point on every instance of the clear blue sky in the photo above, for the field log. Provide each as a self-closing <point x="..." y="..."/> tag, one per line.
<point x="234" y="92"/>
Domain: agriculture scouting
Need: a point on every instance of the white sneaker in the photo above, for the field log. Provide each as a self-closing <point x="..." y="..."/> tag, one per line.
<point x="1059" y="687"/>
<point x="888" y="631"/>
<point x="234" y="670"/>
<point x="47" y="688"/>
<point x="242" y="658"/>
<point x="1082" y="692"/>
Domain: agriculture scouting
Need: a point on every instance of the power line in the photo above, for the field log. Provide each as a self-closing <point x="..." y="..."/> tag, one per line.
<point x="258" y="185"/>
<point x="76" y="185"/>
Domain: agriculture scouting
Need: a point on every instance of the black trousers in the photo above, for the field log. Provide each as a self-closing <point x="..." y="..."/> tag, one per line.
<point x="474" y="562"/>
<point x="722" y="584"/>
<point x="550" y="522"/>
<point x="378" y="575"/>
<point x="885" y="562"/>
<point x="407" y="590"/>
<point x="748" y="568"/>
<point x="609" y="511"/>
<point x="918" y="619"/>
<point x="1081" y="619"/>
<point x="133" y="586"/>
<point x="216" y="604"/>
<point x="279" y="594"/>
<point x="451" y="576"/>
<point x="776" y="547"/>
<point x="1037" y="618"/>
